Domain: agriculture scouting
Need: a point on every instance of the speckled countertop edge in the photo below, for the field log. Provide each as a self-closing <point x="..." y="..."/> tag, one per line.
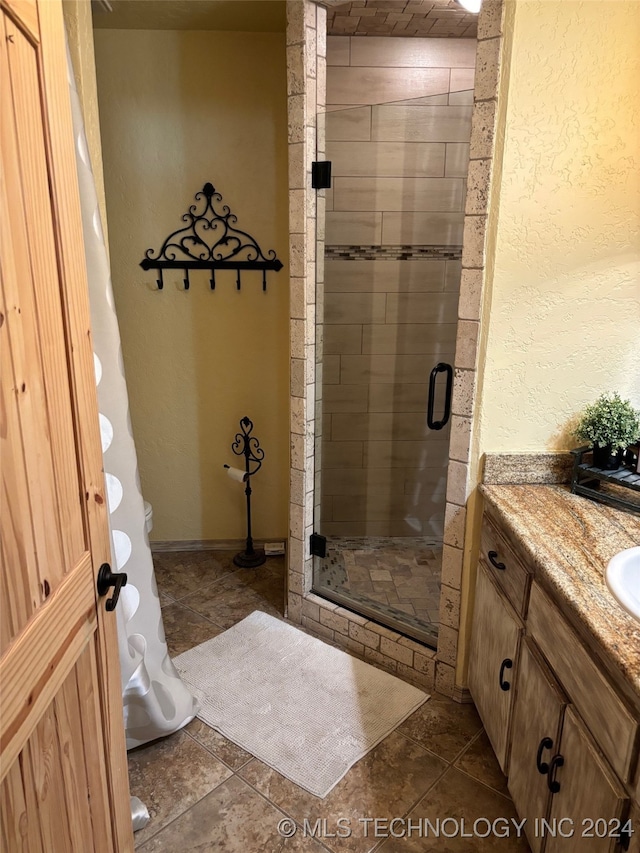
<point x="511" y="469"/>
<point x="569" y="540"/>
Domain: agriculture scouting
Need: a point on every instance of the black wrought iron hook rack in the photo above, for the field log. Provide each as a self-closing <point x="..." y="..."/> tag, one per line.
<point x="210" y="241"/>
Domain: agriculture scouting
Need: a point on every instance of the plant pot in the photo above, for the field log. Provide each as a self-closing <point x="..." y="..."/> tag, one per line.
<point x="605" y="458"/>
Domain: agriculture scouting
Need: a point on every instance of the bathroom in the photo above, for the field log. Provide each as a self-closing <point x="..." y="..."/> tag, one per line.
<point x="528" y="277"/>
<point x="184" y="439"/>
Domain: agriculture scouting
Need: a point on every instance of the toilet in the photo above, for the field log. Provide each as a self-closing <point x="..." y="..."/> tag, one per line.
<point x="148" y="516"/>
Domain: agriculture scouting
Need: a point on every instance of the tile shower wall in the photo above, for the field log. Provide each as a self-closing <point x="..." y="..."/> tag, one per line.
<point x="306" y="29"/>
<point x="392" y="273"/>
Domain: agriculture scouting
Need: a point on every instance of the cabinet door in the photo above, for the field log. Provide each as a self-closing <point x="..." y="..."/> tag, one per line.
<point x="493" y="661"/>
<point x="634" y="825"/>
<point x="535" y="730"/>
<point x="589" y="794"/>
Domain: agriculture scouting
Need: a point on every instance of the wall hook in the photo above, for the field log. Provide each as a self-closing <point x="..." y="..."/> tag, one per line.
<point x="210" y="241"/>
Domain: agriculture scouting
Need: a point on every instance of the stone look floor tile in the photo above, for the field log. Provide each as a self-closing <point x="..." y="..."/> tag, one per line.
<point x="231" y="600"/>
<point x="179" y="573"/>
<point x="385" y="783"/>
<point x="170" y="776"/>
<point x="479" y="761"/>
<point x="443" y="726"/>
<point x="199" y="804"/>
<point x="185" y="629"/>
<point x="231" y="819"/>
<point x="460" y="798"/>
<point x="238" y="594"/>
<point x="389" y="573"/>
<point x="233" y="756"/>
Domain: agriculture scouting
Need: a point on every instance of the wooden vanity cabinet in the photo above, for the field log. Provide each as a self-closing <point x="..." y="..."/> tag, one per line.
<point x="634" y="817"/>
<point x="556" y="771"/>
<point x="561" y="730"/>
<point x="493" y="661"/>
<point x="535" y="735"/>
<point x="588" y="794"/>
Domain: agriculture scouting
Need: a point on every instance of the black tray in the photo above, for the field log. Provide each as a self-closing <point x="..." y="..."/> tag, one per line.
<point x="587" y="480"/>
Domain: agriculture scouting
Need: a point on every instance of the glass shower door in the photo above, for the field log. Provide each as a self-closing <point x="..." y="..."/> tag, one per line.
<point x="386" y="329"/>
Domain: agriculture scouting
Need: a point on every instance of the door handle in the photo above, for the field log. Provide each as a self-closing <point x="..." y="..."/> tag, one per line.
<point x="552" y="783"/>
<point x="106" y="580"/>
<point x="507" y="663"/>
<point x="543" y="767"/>
<point x="441" y="367"/>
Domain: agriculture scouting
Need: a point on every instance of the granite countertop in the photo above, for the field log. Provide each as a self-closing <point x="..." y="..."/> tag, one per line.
<point x="568" y="540"/>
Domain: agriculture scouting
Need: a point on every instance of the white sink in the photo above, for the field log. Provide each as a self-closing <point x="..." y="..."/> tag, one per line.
<point x="623" y="579"/>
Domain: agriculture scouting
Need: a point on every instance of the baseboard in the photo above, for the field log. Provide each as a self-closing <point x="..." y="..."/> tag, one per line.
<point x="462" y="695"/>
<point x="209" y="544"/>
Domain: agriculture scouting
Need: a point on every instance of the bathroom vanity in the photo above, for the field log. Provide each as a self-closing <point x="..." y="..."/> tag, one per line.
<point x="555" y="666"/>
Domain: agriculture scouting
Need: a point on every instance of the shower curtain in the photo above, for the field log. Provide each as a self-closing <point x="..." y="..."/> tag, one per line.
<point x="156" y="702"/>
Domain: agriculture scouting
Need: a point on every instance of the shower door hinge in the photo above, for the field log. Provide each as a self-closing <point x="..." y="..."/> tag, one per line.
<point x="318" y="545"/>
<point x="321" y="174"/>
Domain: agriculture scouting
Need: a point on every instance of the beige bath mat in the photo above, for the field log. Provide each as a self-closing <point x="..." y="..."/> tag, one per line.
<point x="306" y="709"/>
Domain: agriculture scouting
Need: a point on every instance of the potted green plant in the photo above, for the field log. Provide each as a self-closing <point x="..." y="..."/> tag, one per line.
<point x="610" y="425"/>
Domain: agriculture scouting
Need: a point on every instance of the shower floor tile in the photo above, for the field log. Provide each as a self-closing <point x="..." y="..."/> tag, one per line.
<point x="397" y="577"/>
<point x="206" y="794"/>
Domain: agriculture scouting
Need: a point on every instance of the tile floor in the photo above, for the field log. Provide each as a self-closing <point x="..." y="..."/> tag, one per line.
<point x="398" y="577"/>
<point x="206" y="794"/>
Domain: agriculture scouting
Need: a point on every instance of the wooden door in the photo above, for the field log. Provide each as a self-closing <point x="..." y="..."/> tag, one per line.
<point x="493" y="659"/>
<point x="535" y="735"/>
<point x="63" y="769"/>
<point x="589" y="794"/>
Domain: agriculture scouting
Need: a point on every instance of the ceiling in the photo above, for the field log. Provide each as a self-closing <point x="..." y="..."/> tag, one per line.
<point x="413" y="18"/>
<point x="256" y="16"/>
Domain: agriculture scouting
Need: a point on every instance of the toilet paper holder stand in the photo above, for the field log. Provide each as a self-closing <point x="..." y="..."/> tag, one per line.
<point x="247" y="445"/>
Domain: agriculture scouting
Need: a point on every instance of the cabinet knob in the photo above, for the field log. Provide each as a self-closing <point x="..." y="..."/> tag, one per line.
<point x="552" y="783"/>
<point x="493" y="559"/>
<point x="543" y="767"/>
<point x="507" y="663"/>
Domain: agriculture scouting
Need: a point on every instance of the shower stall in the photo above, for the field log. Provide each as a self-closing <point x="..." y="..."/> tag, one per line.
<point x="396" y="130"/>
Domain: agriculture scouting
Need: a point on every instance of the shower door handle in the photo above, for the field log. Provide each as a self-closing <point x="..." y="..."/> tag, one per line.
<point x="441" y="367"/>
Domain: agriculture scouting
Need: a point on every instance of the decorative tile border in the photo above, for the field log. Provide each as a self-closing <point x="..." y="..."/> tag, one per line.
<point x="392" y="253"/>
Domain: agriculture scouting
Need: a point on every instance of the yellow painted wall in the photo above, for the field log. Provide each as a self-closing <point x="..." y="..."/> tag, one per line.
<point x="564" y="310"/>
<point x="561" y="312"/>
<point x="177" y="109"/>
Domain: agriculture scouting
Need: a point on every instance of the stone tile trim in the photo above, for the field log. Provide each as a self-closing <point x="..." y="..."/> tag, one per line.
<point x="462" y="473"/>
<point x="306" y="65"/>
<point x="512" y="469"/>
<point x="371" y="642"/>
<point x="393" y="253"/>
<point x="306" y="24"/>
<point x="411" y="18"/>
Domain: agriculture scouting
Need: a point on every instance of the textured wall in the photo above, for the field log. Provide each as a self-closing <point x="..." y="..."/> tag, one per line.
<point x="173" y="116"/>
<point x="565" y="307"/>
<point x="392" y="276"/>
